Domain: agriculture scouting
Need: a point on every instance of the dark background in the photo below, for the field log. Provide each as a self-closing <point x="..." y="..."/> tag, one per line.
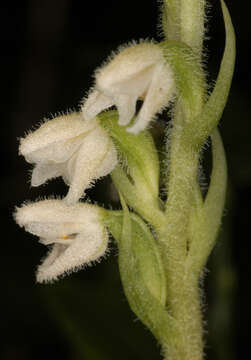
<point x="49" y="50"/>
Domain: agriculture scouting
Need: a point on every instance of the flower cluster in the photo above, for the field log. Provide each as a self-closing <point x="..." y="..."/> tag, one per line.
<point x="76" y="147"/>
<point x="81" y="152"/>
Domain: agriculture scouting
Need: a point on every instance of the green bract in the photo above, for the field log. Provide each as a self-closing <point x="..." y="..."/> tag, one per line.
<point x="206" y="218"/>
<point x="189" y="78"/>
<point x="145" y="289"/>
<point x="138" y="154"/>
<point x="137" y="175"/>
<point x="216" y="103"/>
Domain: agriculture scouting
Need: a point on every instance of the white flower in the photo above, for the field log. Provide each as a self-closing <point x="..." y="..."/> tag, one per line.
<point x="80" y="151"/>
<point x="76" y="231"/>
<point x="139" y="71"/>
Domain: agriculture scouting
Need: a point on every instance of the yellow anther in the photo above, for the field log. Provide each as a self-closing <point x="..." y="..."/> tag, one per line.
<point x="65" y="237"/>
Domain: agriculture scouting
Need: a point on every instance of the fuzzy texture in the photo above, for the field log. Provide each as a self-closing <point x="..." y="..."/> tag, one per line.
<point x="136" y="72"/>
<point x="76" y="232"/>
<point x="80" y="151"/>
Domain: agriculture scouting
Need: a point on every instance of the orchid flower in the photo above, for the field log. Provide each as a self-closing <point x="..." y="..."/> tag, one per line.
<point x="137" y="72"/>
<point x="76" y="232"/>
<point x="80" y="151"/>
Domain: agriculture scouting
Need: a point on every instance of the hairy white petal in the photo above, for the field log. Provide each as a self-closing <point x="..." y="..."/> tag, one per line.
<point x="128" y="63"/>
<point x="55" y="251"/>
<point x="108" y="163"/>
<point x="126" y="106"/>
<point x="52" y="231"/>
<point x="157" y="97"/>
<point x="56" y="211"/>
<point x="43" y="172"/>
<point x="59" y="129"/>
<point x="135" y="85"/>
<point x="95" y="103"/>
<point x="89" y="245"/>
<point x="49" y="241"/>
<point x="57" y="152"/>
<point x="90" y="157"/>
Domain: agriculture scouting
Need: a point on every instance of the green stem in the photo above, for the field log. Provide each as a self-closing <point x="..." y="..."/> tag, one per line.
<point x="183" y="298"/>
<point x="171" y="19"/>
<point x="182" y="181"/>
<point x="188" y="316"/>
<point x="192" y="24"/>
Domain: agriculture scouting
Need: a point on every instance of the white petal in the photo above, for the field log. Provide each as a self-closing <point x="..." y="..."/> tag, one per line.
<point x="57" y="152"/>
<point x="127" y="64"/>
<point x="56" y="212"/>
<point x="84" y="168"/>
<point x="126" y="106"/>
<point x="95" y="103"/>
<point x="51" y="232"/>
<point x="59" y="129"/>
<point x="108" y="163"/>
<point x="90" y="245"/>
<point x="55" y="251"/>
<point x="158" y="96"/>
<point x="50" y="241"/>
<point x="42" y="173"/>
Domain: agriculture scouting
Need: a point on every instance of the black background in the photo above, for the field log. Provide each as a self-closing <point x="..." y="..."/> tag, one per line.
<point x="49" y="50"/>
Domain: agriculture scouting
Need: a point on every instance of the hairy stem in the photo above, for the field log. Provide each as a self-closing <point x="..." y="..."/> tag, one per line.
<point x="192" y="23"/>
<point x="186" y="307"/>
<point x="183" y="298"/>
